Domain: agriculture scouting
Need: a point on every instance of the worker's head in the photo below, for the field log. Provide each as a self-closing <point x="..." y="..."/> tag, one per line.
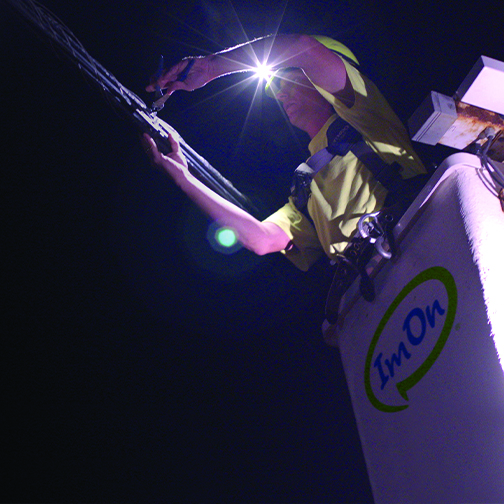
<point x="273" y="83"/>
<point x="301" y="101"/>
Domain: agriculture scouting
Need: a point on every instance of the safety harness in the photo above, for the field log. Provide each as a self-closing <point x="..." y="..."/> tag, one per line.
<point x="343" y="138"/>
<point x="375" y="228"/>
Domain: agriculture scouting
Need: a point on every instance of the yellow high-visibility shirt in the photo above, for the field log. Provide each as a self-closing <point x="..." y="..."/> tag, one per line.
<point x="345" y="190"/>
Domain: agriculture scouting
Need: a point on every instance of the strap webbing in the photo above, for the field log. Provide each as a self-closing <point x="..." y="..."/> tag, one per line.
<point x="343" y="138"/>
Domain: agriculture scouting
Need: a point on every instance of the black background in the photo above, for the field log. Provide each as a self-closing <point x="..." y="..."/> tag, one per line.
<point x="140" y="365"/>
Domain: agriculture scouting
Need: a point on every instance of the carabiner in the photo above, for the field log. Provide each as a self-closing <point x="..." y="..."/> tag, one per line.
<point x="366" y="229"/>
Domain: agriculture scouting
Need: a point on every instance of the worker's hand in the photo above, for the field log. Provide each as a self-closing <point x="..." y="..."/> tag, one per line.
<point x="188" y="75"/>
<point x="174" y="163"/>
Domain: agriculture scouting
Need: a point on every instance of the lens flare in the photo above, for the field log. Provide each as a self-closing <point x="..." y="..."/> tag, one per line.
<point x="223" y="239"/>
<point x="226" y="237"/>
<point x="263" y="71"/>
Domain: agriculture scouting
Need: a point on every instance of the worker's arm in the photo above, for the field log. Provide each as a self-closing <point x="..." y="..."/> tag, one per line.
<point x="259" y="237"/>
<point x="322" y="66"/>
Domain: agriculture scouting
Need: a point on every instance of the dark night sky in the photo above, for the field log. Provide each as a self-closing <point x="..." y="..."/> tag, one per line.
<point x="140" y="365"/>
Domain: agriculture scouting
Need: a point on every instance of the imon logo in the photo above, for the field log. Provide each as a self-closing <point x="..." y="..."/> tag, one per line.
<point x="409" y="338"/>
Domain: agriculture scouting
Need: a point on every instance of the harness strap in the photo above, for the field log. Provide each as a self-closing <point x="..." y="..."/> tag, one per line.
<point x="341" y="139"/>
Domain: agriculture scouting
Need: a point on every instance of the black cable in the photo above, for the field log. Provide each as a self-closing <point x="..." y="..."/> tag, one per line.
<point x="125" y="101"/>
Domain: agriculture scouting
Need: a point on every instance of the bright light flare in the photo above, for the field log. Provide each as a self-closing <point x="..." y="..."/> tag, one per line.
<point x="263" y="71"/>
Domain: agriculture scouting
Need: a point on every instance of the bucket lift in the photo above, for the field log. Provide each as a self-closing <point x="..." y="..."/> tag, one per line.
<point x="424" y="359"/>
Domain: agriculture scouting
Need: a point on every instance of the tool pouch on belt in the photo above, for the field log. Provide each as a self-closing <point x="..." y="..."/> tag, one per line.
<point x="352" y="263"/>
<point x="349" y="266"/>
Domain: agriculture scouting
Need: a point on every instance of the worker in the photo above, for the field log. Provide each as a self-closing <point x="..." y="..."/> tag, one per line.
<point x="318" y="83"/>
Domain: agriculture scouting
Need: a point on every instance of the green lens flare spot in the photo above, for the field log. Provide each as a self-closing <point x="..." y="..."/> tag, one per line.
<point x="223" y="239"/>
<point x="226" y="237"/>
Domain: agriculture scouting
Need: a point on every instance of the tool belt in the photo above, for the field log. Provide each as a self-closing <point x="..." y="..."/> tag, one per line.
<point x="368" y="241"/>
